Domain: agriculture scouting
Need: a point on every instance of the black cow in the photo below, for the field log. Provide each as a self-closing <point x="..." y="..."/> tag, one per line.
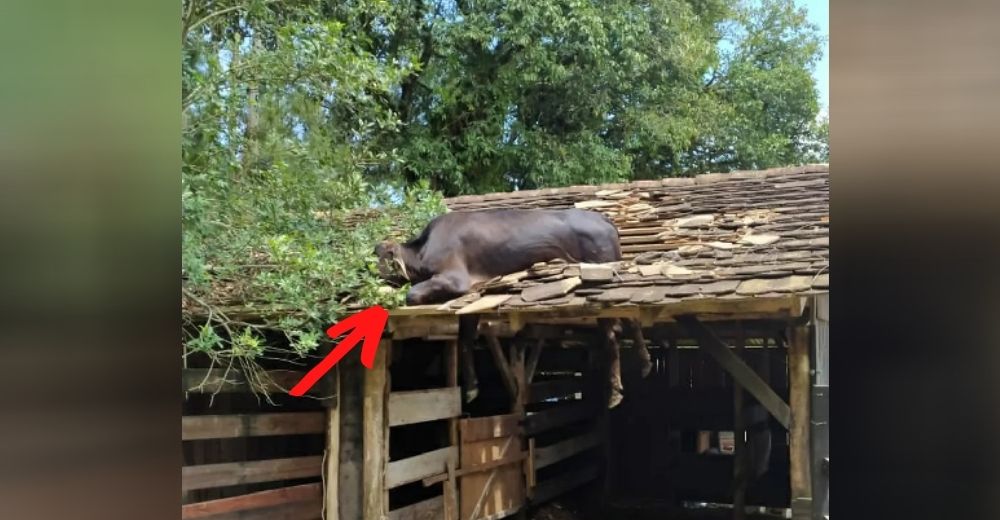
<point x="460" y="249"/>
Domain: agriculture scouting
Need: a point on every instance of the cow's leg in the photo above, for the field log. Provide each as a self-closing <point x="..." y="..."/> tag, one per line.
<point x="468" y="331"/>
<point x="439" y="288"/>
<point x="611" y="331"/>
<point x="645" y="361"/>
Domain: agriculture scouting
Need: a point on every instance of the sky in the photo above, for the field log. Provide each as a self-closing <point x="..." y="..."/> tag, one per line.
<point x="819" y="14"/>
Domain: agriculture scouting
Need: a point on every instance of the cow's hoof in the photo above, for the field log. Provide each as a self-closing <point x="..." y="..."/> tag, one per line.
<point x="616" y="399"/>
<point x="646" y="369"/>
<point x="471" y="395"/>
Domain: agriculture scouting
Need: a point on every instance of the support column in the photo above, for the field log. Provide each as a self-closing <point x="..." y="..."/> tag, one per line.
<point x="740" y="473"/>
<point x="331" y="470"/>
<point x="376" y="434"/>
<point x="799" y="396"/>
<point x="350" y="487"/>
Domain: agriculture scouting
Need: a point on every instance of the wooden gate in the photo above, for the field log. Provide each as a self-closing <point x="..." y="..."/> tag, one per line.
<point x="494" y="467"/>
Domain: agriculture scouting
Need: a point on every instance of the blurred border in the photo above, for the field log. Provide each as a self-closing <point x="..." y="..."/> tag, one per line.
<point x="89" y="200"/>
<point x="915" y="128"/>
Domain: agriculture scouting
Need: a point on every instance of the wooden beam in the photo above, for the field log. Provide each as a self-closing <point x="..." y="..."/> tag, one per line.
<point x="541" y="391"/>
<point x="533" y="356"/>
<point x="557" y="416"/>
<point x="739" y="370"/>
<point x="565" y="449"/>
<point x="430" y="509"/>
<point x="420" y="321"/>
<point x="503" y="366"/>
<point x="198" y="427"/>
<point x="206" y="476"/>
<point x="798" y="438"/>
<point x="376" y="434"/>
<point x="416" y="468"/>
<point x="553" y="487"/>
<point x="418" y="406"/>
<point x="258" y="500"/>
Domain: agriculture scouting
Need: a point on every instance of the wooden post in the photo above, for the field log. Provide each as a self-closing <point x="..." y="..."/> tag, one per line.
<point x="740" y="472"/>
<point x="351" y="447"/>
<point x="376" y="434"/>
<point x="331" y="507"/>
<point x="799" y="396"/>
<point x="451" y="511"/>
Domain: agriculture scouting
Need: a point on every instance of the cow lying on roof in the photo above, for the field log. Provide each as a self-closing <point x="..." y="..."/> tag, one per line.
<point x="460" y="249"/>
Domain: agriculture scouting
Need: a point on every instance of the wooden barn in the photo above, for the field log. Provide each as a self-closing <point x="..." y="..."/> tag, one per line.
<point x="715" y="326"/>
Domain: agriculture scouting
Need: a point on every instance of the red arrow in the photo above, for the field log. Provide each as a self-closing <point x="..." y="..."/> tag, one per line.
<point x="368" y="325"/>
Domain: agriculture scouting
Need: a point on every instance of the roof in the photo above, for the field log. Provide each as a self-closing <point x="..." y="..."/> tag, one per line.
<point x="735" y="236"/>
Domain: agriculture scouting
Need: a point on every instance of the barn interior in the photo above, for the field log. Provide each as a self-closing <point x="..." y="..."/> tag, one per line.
<point x="556" y="450"/>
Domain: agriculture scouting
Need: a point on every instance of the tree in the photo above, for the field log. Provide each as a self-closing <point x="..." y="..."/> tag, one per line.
<point x="298" y="114"/>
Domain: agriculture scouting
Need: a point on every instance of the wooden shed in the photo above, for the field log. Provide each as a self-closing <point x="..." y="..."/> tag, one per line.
<point x="717" y="322"/>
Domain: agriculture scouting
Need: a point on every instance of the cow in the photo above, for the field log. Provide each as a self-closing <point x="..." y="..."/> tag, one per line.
<point x="460" y="249"/>
<point x="457" y="250"/>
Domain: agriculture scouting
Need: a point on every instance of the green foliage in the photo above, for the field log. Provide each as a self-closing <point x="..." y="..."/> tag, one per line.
<point x="298" y="113"/>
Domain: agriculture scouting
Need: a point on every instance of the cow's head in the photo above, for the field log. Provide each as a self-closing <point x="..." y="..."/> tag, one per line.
<point x="391" y="266"/>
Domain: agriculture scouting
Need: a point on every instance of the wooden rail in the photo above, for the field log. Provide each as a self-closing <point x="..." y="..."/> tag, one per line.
<point x="424" y="405"/>
<point x="233" y="473"/>
<point x="311" y="493"/>
<point x="199" y="427"/>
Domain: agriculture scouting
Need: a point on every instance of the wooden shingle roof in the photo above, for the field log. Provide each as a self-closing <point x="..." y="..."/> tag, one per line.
<point x="724" y="236"/>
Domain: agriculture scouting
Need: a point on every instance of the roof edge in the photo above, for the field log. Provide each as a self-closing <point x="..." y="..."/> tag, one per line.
<point x="704" y="178"/>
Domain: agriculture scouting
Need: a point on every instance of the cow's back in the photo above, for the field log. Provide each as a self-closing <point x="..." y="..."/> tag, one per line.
<point x="496" y="242"/>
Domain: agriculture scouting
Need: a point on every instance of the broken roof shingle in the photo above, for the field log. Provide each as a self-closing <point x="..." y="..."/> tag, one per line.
<point x="726" y="236"/>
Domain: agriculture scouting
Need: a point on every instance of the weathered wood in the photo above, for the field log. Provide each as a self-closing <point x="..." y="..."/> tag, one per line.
<point x="197" y="427"/>
<point x="430" y="509"/>
<point x="558" y="416"/>
<point x="424" y="405"/>
<point x="249" y="472"/>
<point x="495" y="492"/>
<point x="331" y="495"/>
<point x="416" y="468"/>
<point x="503" y="366"/>
<point x="508" y="459"/>
<point x="550" y="290"/>
<point x="305" y="510"/>
<point x="487" y="302"/>
<point x="740" y="473"/>
<point x="739" y="370"/>
<point x="351" y="410"/>
<point x="541" y="391"/>
<point x="798" y="438"/>
<point x="532" y="364"/>
<point x="258" y="500"/>
<point x="553" y="487"/>
<point x="565" y="449"/>
<point x="376" y="434"/>
<point x="482" y="428"/>
<point x="517" y="369"/>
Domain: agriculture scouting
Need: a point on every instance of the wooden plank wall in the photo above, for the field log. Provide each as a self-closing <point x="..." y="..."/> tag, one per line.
<point x="562" y="422"/>
<point x="246" y="458"/>
<point x="421" y="431"/>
